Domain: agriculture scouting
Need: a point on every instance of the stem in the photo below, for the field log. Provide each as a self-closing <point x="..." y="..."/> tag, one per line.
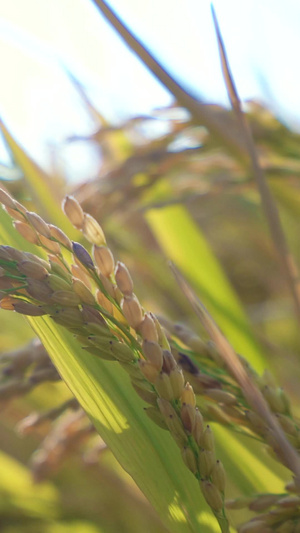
<point x="119" y="326"/>
<point x="269" y="206"/>
<point x="222" y="521"/>
<point x="219" y="127"/>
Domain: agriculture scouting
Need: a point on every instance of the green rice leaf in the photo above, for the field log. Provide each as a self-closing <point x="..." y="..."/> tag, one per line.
<point x="182" y="241"/>
<point x="145" y="451"/>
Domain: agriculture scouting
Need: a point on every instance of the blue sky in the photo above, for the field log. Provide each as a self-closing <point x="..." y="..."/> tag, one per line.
<point x="37" y="37"/>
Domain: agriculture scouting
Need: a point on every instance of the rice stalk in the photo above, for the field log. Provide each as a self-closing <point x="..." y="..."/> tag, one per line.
<point x="285" y="256"/>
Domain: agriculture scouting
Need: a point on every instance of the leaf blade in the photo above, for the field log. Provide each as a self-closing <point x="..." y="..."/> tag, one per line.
<point x="146" y="452"/>
<point x="182" y="242"/>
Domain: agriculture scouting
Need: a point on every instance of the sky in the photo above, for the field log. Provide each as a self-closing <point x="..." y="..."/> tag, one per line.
<point x="39" y="40"/>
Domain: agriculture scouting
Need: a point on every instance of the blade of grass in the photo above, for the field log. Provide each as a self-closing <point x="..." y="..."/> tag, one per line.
<point x="182" y="242"/>
<point x="146" y="452"/>
<point x="269" y="206"/>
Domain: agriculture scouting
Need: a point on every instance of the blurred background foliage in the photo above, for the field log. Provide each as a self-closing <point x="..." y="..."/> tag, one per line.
<point x="160" y="179"/>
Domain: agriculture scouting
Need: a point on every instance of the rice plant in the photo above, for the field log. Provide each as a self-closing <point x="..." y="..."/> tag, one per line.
<point x="184" y="398"/>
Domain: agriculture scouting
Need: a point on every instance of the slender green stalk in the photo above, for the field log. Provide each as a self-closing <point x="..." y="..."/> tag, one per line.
<point x="199" y="111"/>
<point x="269" y="206"/>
